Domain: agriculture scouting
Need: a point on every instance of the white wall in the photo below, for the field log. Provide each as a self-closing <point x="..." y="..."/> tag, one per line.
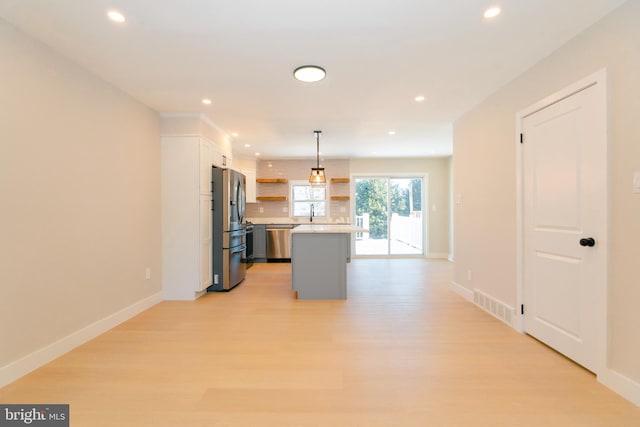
<point x="484" y="174"/>
<point x="437" y="170"/>
<point x="80" y="194"/>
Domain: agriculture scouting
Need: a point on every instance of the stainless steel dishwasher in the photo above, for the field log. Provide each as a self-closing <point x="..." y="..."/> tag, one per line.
<point x="279" y="242"/>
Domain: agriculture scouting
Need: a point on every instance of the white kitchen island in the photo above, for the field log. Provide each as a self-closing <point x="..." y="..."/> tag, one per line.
<point x="319" y="258"/>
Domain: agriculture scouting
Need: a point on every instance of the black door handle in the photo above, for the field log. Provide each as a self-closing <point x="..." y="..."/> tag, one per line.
<point x="589" y="241"/>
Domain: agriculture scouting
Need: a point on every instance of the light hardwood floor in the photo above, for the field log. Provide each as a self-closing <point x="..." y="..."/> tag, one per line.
<point x="402" y="350"/>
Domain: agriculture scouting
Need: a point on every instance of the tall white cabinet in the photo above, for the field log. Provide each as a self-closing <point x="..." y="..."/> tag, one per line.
<point x="186" y="214"/>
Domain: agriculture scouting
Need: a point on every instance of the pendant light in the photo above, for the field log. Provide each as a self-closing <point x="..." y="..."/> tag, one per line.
<point x="317" y="176"/>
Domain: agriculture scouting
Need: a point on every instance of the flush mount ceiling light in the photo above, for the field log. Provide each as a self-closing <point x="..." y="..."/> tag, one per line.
<point x="317" y="176"/>
<point x="492" y="12"/>
<point x="309" y="73"/>
<point x="116" y="16"/>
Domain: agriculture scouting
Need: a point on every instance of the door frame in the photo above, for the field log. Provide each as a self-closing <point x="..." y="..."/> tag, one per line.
<point x="425" y="205"/>
<point x="597" y="81"/>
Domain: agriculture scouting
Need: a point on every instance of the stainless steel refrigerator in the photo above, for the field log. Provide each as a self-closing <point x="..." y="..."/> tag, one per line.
<point x="229" y="230"/>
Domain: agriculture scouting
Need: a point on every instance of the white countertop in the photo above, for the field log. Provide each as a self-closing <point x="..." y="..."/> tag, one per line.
<point x="328" y="228"/>
<point x="299" y="220"/>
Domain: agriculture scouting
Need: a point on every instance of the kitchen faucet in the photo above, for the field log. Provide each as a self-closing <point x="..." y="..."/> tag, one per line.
<point x="311" y="213"/>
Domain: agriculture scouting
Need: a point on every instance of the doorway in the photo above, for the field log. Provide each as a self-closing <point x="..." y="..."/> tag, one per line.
<point x="562" y="221"/>
<point x="390" y="207"/>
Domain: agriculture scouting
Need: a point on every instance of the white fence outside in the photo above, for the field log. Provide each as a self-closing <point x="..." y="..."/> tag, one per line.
<point x="362" y="222"/>
<point x="407" y="229"/>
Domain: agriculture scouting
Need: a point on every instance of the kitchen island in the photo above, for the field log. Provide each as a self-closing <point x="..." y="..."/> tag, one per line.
<point x="319" y="257"/>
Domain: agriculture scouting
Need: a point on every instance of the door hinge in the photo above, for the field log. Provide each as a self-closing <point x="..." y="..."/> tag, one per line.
<point x="521" y="308"/>
<point x="521" y="138"/>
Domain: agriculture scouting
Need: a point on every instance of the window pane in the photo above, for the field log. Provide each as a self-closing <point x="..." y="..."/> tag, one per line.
<point x="318" y="193"/>
<point x="301" y="192"/>
<point x="305" y="195"/>
<point x="301" y="208"/>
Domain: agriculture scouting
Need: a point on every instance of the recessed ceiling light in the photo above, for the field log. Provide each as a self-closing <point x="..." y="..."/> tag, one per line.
<point x="257" y="154"/>
<point x="235" y="134"/>
<point x="247" y="145"/>
<point x="206" y="101"/>
<point x="419" y="98"/>
<point x="392" y="132"/>
<point x="116" y="16"/>
<point x="492" y="12"/>
<point x="309" y="73"/>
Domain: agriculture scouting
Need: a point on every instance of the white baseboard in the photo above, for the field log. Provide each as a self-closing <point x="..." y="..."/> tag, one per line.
<point x="437" y="255"/>
<point x="622" y="385"/>
<point x="462" y="291"/>
<point x="38" y="358"/>
<point x="617" y="382"/>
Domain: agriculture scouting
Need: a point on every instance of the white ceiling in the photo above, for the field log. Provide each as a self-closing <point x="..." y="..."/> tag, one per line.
<point x="379" y="55"/>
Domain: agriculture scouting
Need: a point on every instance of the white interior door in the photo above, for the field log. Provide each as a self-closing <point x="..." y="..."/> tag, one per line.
<point x="564" y="155"/>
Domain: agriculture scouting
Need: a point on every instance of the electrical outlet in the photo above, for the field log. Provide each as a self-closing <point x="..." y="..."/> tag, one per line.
<point x="261" y="209"/>
<point x="343" y="209"/>
<point x="285" y="209"/>
<point x="469" y="275"/>
<point x="147" y="273"/>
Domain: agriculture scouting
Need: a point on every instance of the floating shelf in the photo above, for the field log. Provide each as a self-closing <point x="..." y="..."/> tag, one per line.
<point x="339" y="197"/>
<point x="272" y="180"/>
<point x="340" y="180"/>
<point x="272" y="198"/>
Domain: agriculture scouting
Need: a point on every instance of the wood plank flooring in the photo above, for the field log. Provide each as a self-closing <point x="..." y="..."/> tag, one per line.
<point x="402" y="350"/>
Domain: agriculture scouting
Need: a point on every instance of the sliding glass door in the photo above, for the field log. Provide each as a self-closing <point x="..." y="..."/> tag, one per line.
<point x="391" y="209"/>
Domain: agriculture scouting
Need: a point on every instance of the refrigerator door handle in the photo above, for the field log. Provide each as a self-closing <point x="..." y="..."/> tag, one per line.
<point x="238" y="249"/>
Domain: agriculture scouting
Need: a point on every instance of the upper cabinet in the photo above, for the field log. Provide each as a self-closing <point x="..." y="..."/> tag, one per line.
<point x="250" y="174"/>
<point x="213" y="139"/>
<point x="210" y="155"/>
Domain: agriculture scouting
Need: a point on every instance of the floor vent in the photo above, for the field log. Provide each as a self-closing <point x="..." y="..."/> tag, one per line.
<point x="497" y="308"/>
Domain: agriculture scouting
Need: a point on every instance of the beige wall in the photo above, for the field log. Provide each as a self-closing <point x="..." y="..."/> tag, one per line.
<point x="484" y="175"/>
<point x="80" y="189"/>
<point x="437" y="170"/>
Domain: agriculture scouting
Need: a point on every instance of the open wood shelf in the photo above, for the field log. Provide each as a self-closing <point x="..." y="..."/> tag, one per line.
<point x="272" y="198"/>
<point x="339" y="197"/>
<point x="272" y="180"/>
<point x="340" y="180"/>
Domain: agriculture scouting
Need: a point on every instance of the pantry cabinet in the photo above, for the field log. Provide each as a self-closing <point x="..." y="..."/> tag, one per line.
<point x="186" y="215"/>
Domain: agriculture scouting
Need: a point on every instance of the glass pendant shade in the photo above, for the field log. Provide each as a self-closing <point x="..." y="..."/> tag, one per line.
<point x="317" y="176"/>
